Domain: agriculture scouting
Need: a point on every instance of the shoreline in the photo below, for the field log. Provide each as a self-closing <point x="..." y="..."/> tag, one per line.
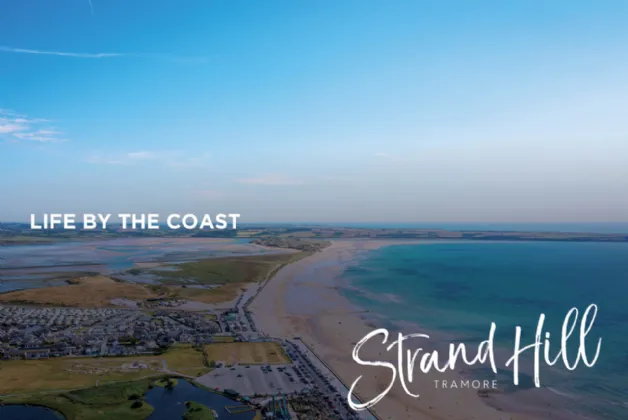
<point x="304" y="299"/>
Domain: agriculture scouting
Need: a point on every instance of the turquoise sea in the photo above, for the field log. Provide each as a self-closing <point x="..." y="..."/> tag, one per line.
<point x="459" y="288"/>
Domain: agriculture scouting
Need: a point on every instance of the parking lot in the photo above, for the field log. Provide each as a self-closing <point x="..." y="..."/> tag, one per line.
<point x="256" y="379"/>
<point x="306" y="373"/>
<point x="332" y="392"/>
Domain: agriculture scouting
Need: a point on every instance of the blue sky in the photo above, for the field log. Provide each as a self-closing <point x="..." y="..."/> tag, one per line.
<point x="316" y="110"/>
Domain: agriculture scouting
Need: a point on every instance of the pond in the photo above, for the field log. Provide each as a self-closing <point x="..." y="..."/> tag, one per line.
<point x="28" y="412"/>
<point x="170" y="403"/>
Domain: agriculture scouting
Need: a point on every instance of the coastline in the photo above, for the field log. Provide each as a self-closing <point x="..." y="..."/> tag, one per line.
<point x="304" y="300"/>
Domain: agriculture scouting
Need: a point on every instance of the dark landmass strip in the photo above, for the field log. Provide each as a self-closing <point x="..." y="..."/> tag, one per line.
<point x="16" y="233"/>
<point x="300" y="244"/>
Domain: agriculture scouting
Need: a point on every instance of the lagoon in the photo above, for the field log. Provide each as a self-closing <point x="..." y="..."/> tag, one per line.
<point x="170" y="403"/>
<point x="28" y="412"/>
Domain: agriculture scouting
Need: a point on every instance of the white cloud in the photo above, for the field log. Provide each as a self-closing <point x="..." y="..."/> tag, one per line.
<point x="270" y="180"/>
<point x="16" y="127"/>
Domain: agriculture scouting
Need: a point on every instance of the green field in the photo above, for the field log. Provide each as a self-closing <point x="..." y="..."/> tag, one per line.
<point x="197" y="411"/>
<point x="166" y="382"/>
<point x="223" y="339"/>
<point x="68" y="373"/>
<point x="248" y="269"/>
<point x="300" y="244"/>
<point x="116" y="401"/>
<point x="107" y="402"/>
<point x="247" y="353"/>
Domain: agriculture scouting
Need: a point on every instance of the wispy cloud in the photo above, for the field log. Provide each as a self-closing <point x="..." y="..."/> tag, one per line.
<point x="59" y="53"/>
<point x="208" y="193"/>
<point x="270" y="180"/>
<point x="389" y="157"/>
<point x="17" y="127"/>
<point x="143" y="155"/>
<point x="188" y="162"/>
<point x="175" y="159"/>
<point x="335" y="179"/>
<point x="167" y="57"/>
<point x="130" y="158"/>
<point x="91" y="6"/>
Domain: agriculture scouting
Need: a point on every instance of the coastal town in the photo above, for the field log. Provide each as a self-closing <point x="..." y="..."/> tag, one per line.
<point x="247" y="328"/>
<point x="35" y="333"/>
<point x="275" y="377"/>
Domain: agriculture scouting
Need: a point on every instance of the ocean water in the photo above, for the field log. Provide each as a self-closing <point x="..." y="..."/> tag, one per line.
<point x="460" y="288"/>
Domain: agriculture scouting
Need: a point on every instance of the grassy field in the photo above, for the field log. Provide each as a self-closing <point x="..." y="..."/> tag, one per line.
<point x="84" y="292"/>
<point x="229" y="274"/>
<point x="197" y="411"/>
<point x="116" y="401"/>
<point x="223" y="339"/>
<point x="25" y="240"/>
<point x="248" y="269"/>
<point x="247" y="353"/>
<point x="185" y="359"/>
<point x="107" y="402"/>
<point x="26" y="376"/>
<point x="301" y="244"/>
<point x="222" y="293"/>
<point x="165" y="382"/>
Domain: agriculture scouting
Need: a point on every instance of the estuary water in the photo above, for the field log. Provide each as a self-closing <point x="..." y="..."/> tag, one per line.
<point x="29" y="266"/>
<point x="457" y="289"/>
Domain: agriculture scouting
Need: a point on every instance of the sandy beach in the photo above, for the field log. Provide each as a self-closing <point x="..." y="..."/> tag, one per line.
<point x="303" y="300"/>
